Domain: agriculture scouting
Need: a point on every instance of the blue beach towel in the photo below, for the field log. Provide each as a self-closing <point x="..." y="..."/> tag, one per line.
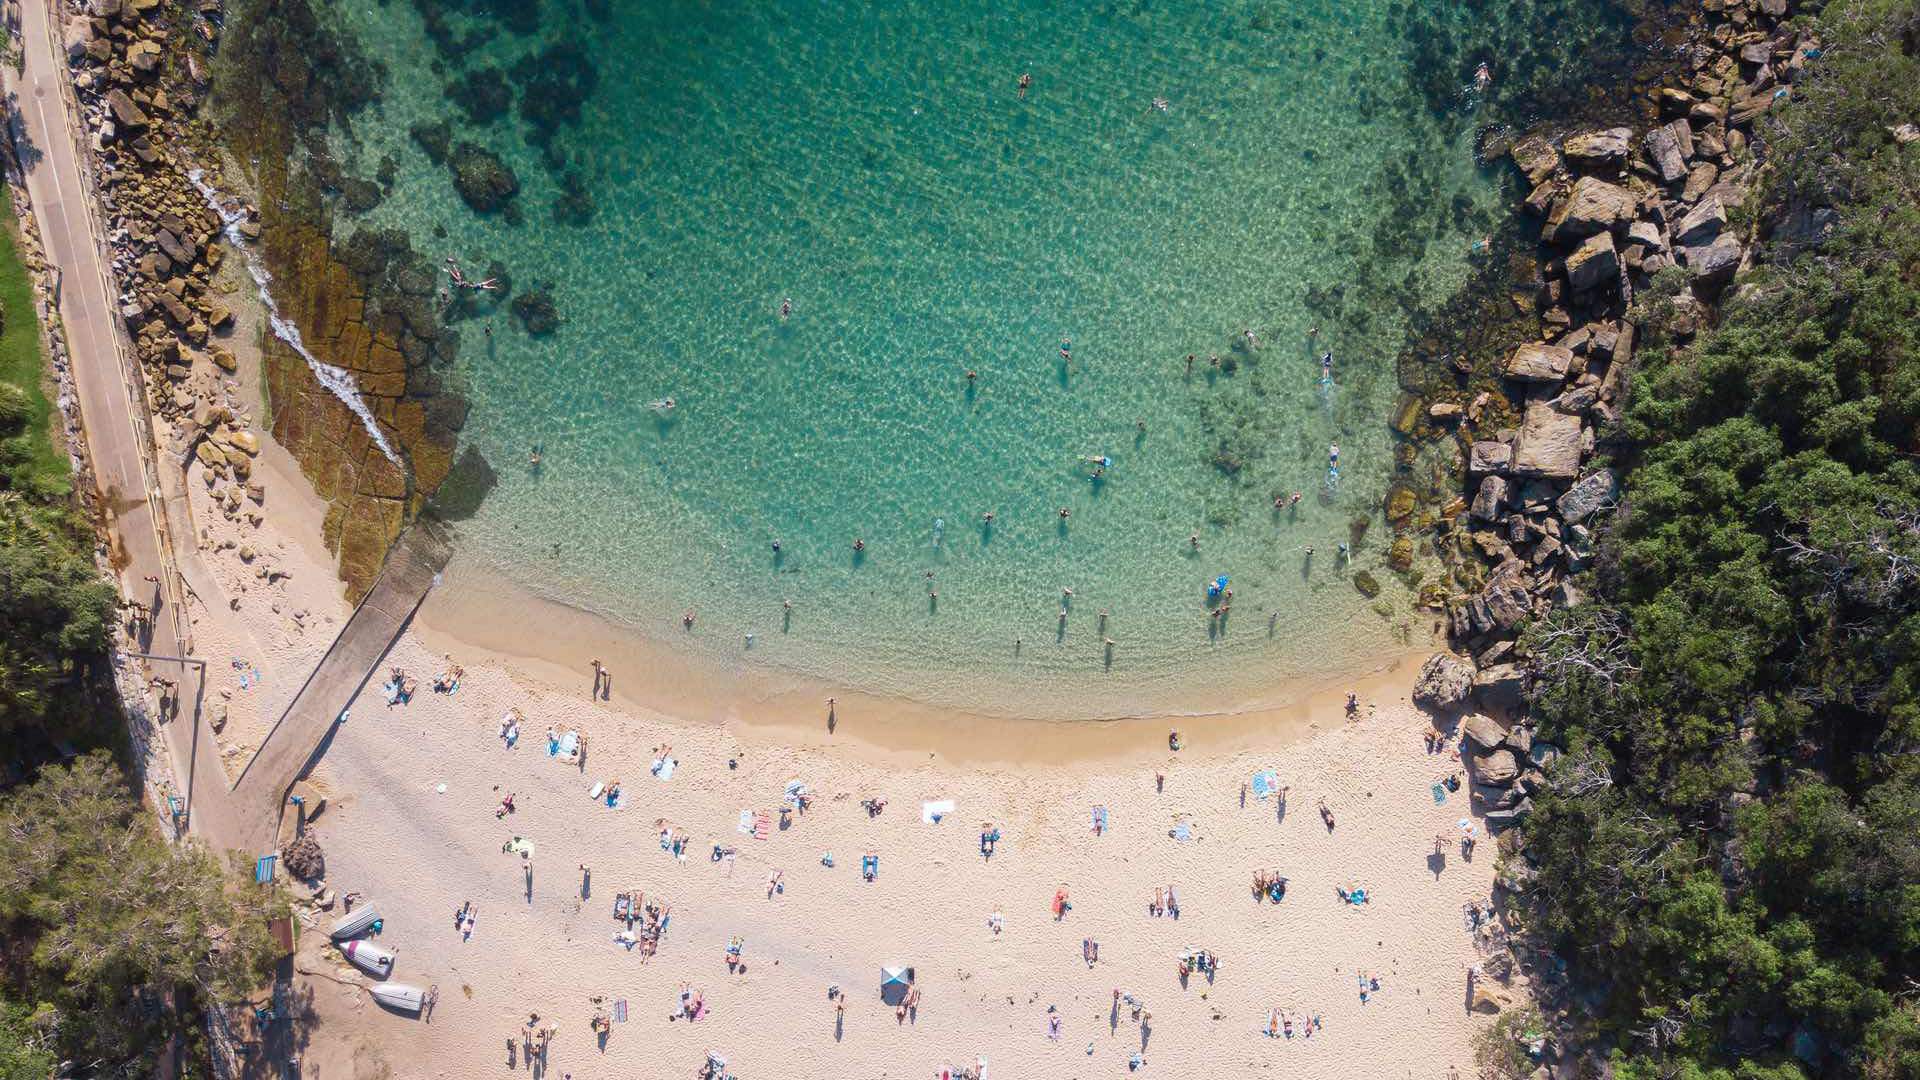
<point x="1439" y="793"/>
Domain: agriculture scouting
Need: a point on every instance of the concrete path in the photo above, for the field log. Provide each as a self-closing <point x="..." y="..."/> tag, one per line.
<point x="123" y="457"/>
<point x="107" y="381"/>
<point x="351" y="661"/>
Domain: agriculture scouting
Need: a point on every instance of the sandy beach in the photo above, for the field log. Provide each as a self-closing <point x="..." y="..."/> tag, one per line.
<point x="414" y="824"/>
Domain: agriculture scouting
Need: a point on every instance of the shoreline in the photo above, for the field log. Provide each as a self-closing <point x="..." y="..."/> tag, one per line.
<point x="473" y="619"/>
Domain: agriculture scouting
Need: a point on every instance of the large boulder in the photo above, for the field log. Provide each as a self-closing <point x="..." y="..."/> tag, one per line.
<point x="1670" y="145"/>
<point x="1536" y="157"/>
<point x="1498" y="767"/>
<point x="1594" y="263"/>
<point x="1539" y="363"/>
<point x="1714" y="264"/>
<point x="1592" y="206"/>
<point x="1588" y="495"/>
<point x="1488" y="499"/>
<point x="1607" y="147"/>
<point x="1484" y="730"/>
<point x="1502" y="820"/>
<point x="1444" y="682"/>
<point x="1487" y="456"/>
<point x="125" y="112"/>
<point x="1549" y="442"/>
<point x="1701" y="224"/>
<point x="1500" y="687"/>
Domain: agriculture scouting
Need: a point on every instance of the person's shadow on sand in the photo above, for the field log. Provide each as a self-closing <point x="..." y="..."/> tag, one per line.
<point x="1436" y="862"/>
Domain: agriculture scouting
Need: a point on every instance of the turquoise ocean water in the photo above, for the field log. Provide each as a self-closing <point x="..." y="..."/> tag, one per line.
<point x="880" y="167"/>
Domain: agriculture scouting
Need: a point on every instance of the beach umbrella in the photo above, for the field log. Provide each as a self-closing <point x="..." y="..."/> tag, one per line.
<point x="894" y="982"/>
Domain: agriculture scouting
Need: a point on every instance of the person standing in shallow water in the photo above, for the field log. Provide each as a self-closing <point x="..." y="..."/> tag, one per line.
<point x="1026" y="80"/>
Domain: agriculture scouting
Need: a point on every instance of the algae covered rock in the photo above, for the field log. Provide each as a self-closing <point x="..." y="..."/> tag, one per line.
<point x="1368" y="585"/>
<point x="536" y="311"/>
<point x="485" y="182"/>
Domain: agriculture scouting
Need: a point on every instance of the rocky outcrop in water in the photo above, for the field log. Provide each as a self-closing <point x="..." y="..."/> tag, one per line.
<point x="369" y="309"/>
<point x="484" y="182"/>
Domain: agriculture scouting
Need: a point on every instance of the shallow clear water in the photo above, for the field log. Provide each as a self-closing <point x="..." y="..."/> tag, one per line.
<point x="881" y="169"/>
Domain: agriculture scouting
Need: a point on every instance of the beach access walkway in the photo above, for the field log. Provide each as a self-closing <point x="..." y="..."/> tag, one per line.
<point x="139" y="514"/>
<point x="412" y="569"/>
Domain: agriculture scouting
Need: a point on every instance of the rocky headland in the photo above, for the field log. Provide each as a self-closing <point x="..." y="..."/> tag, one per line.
<point x="1506" y="474"/>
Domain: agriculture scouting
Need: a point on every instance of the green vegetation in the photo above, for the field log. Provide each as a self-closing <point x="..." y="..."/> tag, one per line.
<point x="54" y="606"/>
<point x="1730" y="857"/>
<point x="112" y="928"/>
<point x="29" y="461"/>
<point x="114" y="937"/>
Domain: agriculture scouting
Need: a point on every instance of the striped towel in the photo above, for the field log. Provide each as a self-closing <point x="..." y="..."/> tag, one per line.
<point x="620" y="1011"/>
<point x="762" y="825"/>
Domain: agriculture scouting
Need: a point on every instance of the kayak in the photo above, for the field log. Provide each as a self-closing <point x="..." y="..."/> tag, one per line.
<point x="368" y="957"/>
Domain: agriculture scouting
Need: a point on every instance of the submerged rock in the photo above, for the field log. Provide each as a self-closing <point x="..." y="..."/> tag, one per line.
<point x="435" y="139"/>
<point x="485" y="182"/>
<point x="536" y="311"/>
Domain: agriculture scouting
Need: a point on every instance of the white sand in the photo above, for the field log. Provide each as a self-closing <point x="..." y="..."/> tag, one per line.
<point x="418" y="853"/>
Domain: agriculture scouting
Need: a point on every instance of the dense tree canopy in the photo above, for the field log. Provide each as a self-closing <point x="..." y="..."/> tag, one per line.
<point x="118" y="920"/>
<point x="1730" y="854"/>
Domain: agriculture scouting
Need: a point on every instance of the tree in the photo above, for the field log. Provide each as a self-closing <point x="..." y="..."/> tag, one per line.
<point x="120" y="921"/>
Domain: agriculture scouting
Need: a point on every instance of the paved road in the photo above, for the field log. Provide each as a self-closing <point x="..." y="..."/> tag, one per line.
<point x="111" y="408"/>
<point x="121" y="448"/>
<point x="355" y="655"/>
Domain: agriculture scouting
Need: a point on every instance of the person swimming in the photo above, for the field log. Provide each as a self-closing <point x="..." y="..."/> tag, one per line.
<point x="1101" y="460"/>
<point x="1333" y="454"/>
<point x="1482" y="76"/>
<point x="533" y="457"/>
<point x="1066" y="348"/>
<point x="664" y="405"/>
<point x="1162" y="104"/>
<point x="1026" y="80"/>
<point x="786" y="307"/>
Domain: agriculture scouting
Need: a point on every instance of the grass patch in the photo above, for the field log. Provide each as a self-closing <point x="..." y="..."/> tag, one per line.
<point x="40" y="465"/>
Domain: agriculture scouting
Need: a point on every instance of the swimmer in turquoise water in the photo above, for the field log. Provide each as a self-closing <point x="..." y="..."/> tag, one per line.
<point x="1333" y="454"/>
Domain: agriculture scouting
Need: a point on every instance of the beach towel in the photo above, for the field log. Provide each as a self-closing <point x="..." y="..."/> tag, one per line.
<point x="762" y="825"/>
<point x="795" y="789"/>
<point x="598" y="787"/>
<point x="746" y="823"/>
<point x="620" y="1011"/>
<point x="1099" y="820"/>
<point x="663" y="767"/>
<point x="1265" y="783"/>
<point x="569" y="743"/>
<point x="1181" y="831"/>
<point x="932" y="812"/>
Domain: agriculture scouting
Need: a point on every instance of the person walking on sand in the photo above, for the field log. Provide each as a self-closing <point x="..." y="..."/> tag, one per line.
<point x="598" y="672"/>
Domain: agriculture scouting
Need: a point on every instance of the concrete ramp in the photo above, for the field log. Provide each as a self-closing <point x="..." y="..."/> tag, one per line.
<point x="289" y="749"/>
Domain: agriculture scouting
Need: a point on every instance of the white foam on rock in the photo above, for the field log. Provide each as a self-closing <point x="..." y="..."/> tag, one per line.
<point x="338" y="380"/>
